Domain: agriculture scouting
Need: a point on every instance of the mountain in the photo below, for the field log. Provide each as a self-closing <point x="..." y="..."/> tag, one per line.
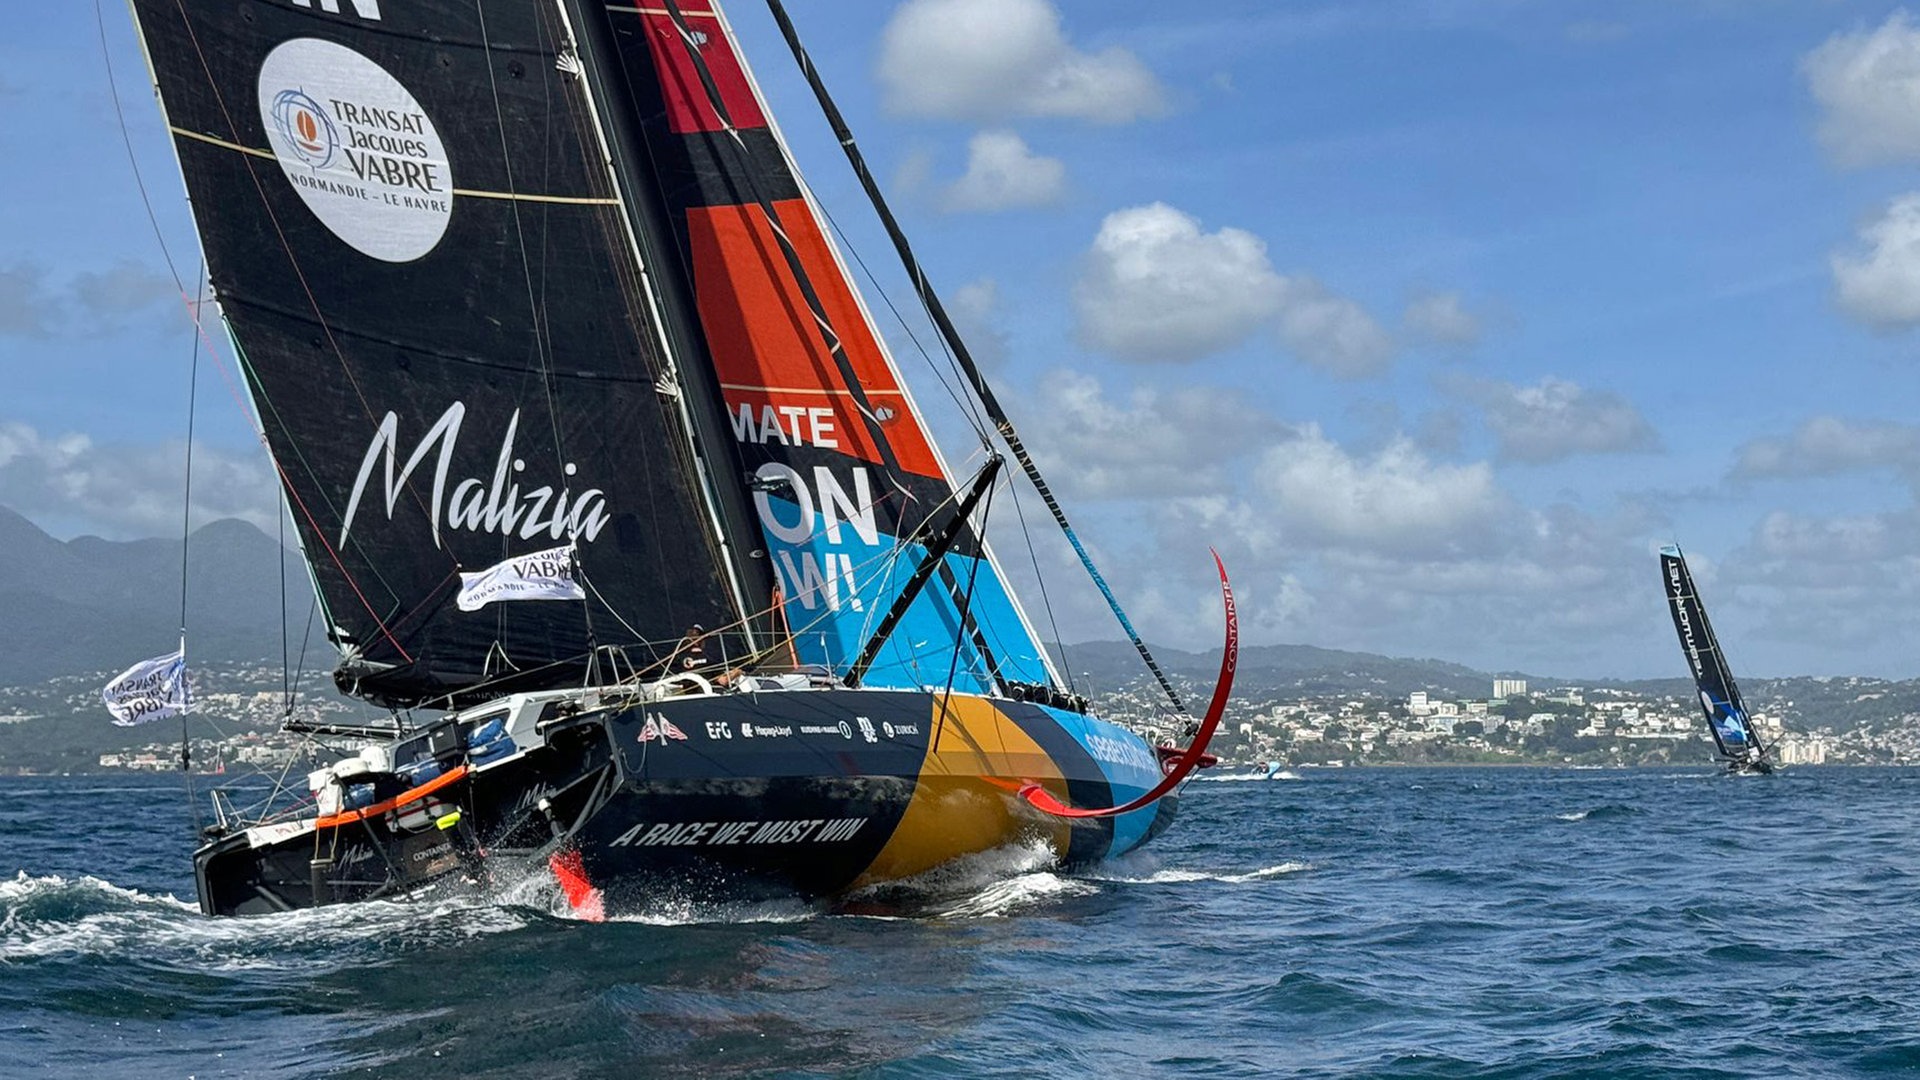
<point x="1306" y="670"/>
<point x="90" y="605"/>
<point x="87" y="604"/>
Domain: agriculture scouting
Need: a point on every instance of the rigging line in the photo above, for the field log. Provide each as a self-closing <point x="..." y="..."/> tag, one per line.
<point x="520" y="237"/>
<point x="186" y="533"/>
<point x="300" y="670"/>
<point x="663" y="315"/>
<point x="280" y="564"/>
<point x="153" y="219"/>
<point x="1046" y="597"/>
<point x="938" y="311"/>
<point x="186" y="499"/>
<point x="835" y="347"/>
<point x="968" y="409"/>
<point x="266" y="406"/>
<point x="953" y="666"/>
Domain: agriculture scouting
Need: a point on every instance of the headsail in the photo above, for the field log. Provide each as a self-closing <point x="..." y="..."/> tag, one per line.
<point x="841" y="465"/>
<point x="1720" y="700"/>
<point x="440" y="304"/>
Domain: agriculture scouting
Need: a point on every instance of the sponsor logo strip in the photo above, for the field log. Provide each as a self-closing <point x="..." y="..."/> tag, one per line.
<point x="730" y="833"/>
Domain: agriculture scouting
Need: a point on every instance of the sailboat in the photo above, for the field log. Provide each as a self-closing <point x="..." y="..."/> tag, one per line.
<point x="1727" y="718"/>
<point x="609" y="488"/>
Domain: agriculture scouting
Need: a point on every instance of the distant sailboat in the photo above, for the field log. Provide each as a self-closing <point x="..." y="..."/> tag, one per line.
<point x="1727" y="717"/>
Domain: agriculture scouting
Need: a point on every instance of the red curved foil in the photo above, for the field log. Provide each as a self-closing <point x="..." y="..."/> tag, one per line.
<point x="1191" y="757"/>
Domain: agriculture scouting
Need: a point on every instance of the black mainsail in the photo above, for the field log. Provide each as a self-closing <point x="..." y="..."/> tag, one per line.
<point x="444" y="317"/>
<point x="1727" y="717"/>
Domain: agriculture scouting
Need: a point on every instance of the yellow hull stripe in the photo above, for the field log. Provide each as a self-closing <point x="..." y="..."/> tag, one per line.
<point x="966" y="800"/>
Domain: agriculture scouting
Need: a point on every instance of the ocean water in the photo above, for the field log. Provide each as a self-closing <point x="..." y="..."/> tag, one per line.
<point x="1348" y="923"/>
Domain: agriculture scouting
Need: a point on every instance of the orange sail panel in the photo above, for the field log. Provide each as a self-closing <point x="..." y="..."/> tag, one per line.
<point x="771" y="356"/>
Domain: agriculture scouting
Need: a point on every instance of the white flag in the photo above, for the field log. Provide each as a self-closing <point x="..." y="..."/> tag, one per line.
<point x="543" y="575"/>
<point x="149" y="690"/>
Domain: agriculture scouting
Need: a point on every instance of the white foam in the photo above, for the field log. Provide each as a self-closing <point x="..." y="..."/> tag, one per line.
<point x="1182" y="877"/>
<point x="1003" y="898"/>
<point x="147" y="924"/>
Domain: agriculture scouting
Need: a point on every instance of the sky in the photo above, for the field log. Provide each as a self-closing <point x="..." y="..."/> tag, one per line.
<point x="1435" y="317"/>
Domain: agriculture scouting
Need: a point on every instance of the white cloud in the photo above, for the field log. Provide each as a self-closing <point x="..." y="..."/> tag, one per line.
<point x="1397" y="501"/>
<point x="1882" y="287"/>
<point x="1832" y="592"/>
<point x="28" y="307"/>
<point x="1156" y="287"/>
<point x="1440" y="318"/>
<point x="991" y="60"/>
<point x="1159" y="442"/>
<point x="1332" y="332"/>
<point x="915" y="172"/>
<point x="34" y="305"/>
<point x="1558" y="419"/>
<point x="1395" y="552"/>
<point x="1829" y="445"/>
<point x="974" y="307"/>
<point x="1004" y="174"/>
<point x="122" y="491"/>
<point x="1868" y="84"/>
<point x="123" y="287"/>
<point x="1853" y="539"/>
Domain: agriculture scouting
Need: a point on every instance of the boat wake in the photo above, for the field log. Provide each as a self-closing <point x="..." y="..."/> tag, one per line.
<point x="1182" y="877"/>
<point x="988" y="885"/>
<point x="52" y="918"/>
<point x="1603" y="812"/>
<point x="1249" y="778"/>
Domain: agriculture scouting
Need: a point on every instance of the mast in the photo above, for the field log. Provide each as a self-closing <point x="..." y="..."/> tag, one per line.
<point x="679" y="326"/>
<point x="951" y="335"/>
